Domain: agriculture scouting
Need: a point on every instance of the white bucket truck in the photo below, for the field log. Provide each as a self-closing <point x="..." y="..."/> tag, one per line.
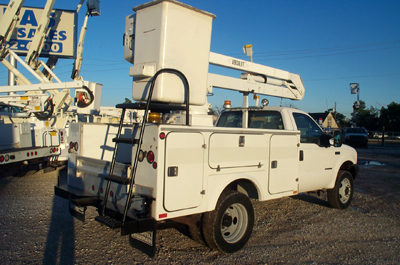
<point x="191" y="174"/>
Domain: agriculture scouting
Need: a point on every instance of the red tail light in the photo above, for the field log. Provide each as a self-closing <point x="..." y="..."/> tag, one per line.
<point x="1" y="158"/>
<point x="150" y="157"/>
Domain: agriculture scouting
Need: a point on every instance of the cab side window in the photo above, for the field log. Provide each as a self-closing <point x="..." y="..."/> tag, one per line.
<point x="231" y="119"/>
<point x="310" y="131"/>
<point x="265" y="120"/>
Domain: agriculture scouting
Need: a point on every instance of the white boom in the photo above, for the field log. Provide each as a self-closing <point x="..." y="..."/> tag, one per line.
<point x="8" y="23"/>
<point x="258" y="78"/>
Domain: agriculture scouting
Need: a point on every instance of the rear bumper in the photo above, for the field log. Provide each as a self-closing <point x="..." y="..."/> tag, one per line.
<point x="79" y="201"/>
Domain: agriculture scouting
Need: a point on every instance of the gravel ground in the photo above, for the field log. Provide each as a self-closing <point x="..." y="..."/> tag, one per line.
<point x="36" y="228"/>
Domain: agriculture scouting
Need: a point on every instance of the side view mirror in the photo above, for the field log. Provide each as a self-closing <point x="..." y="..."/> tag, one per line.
<point x="337" y="137"/>
<point x="325" y="140"/>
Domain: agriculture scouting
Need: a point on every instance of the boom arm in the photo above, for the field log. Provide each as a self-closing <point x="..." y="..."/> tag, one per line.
<point x="258" y="78"/>
<point x="8" y="23"/>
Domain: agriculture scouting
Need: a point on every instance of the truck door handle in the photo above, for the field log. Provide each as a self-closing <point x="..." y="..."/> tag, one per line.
<point x="301" y="156"/>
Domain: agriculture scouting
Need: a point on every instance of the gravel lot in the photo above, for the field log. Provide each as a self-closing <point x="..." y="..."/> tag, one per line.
<point x="36" y="228"/>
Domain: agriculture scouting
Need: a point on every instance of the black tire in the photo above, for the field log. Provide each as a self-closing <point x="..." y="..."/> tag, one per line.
<point x="229" y="226"/>
<point x="341" y="195"/>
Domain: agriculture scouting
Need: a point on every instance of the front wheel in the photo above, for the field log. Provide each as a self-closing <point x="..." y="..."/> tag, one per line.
<point x="341" y="195"/>
<point x="229" y="226"/>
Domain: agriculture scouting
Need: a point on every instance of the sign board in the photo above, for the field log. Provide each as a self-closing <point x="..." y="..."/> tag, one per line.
<point x="354" y="87"/>
<point x="61" y="39"/>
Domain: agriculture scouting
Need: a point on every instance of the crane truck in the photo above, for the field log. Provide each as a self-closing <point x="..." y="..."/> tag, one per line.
<point x="34" y="116"/>
<point x="190" y="174"/>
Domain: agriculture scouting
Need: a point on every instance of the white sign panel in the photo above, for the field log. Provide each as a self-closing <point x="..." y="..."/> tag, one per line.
<point x="61" y="39"/>
<point x="354" y="87"/>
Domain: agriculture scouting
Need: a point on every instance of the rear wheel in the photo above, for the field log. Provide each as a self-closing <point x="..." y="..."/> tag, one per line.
<point x="229" y="226"/>
<point x="341" y="195"/>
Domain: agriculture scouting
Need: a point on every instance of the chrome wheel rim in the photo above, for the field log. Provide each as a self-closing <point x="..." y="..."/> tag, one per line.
<point x="345" y="191"/>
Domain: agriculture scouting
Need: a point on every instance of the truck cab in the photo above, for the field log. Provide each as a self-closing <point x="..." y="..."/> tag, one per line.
<point x="320" y="156"/>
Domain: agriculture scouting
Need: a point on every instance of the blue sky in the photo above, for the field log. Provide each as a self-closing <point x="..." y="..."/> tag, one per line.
<point x="330" y="44"/>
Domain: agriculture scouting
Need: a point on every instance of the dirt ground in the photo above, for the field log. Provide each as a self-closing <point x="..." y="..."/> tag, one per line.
<point x="36" y="228"/>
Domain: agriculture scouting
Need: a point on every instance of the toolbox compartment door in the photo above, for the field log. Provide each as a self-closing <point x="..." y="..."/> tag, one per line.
<point x="183" y="175"/>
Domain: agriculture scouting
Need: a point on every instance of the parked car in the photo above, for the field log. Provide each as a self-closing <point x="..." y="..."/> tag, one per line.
<point x="356" y="137"/>
<point x="379" y="135"/>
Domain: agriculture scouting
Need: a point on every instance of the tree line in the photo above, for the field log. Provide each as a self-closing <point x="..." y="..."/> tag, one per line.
<point x="373" y="119"/>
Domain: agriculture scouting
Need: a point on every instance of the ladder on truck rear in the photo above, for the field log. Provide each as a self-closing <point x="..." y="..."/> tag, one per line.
<point x="117" y="220"/>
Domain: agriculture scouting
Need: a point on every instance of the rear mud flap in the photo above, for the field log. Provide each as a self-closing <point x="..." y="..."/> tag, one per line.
<point x="145" y="242"/>
<point x="77" y="211"/>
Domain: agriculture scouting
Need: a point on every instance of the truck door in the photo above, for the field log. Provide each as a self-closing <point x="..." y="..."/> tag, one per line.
<point x="183" y="175"/>
<point x="316" y="161"/>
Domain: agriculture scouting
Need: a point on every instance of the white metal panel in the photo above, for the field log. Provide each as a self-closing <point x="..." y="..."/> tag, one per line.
<point x="226" y="151"/>
<point x="316" y="170"/>
<point x="284" y="154"/>
<point x="10" y="136"/>
<point x="185" y="152"/>
<point x="97" y="142"/>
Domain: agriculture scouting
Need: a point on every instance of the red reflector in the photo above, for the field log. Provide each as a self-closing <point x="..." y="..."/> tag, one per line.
<point x="92" y="187"/>
<point x="163" y="215"/>
<point x="111" y="193"/>
<point x="1" y="158"/>
<point x="150" y="157"/>
<point x="162" y="136"/>
<point x="71" y="145"/>
<point x="101" y="190"/>
<point x="155" y="165"/>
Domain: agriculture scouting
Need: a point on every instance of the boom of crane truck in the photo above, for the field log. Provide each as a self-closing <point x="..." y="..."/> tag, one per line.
<point x="193" y="175"/>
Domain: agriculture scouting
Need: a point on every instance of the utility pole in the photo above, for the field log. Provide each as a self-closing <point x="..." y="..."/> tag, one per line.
<point x="355" y="89"/>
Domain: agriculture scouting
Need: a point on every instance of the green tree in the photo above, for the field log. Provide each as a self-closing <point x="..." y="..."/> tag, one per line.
<point x="390" y="117"/>
<point x="368" y="118"/>
<point x="340" y="119"/>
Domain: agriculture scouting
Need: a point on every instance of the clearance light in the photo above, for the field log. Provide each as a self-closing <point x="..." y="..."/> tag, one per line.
<point x="150" y="157"/>
<point x="162" y="136"/>
<point x="154" y="117"/>
<point x="71" y="145"/>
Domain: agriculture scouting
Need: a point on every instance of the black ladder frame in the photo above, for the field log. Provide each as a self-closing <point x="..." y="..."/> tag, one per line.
<point x="147" y="106"/>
